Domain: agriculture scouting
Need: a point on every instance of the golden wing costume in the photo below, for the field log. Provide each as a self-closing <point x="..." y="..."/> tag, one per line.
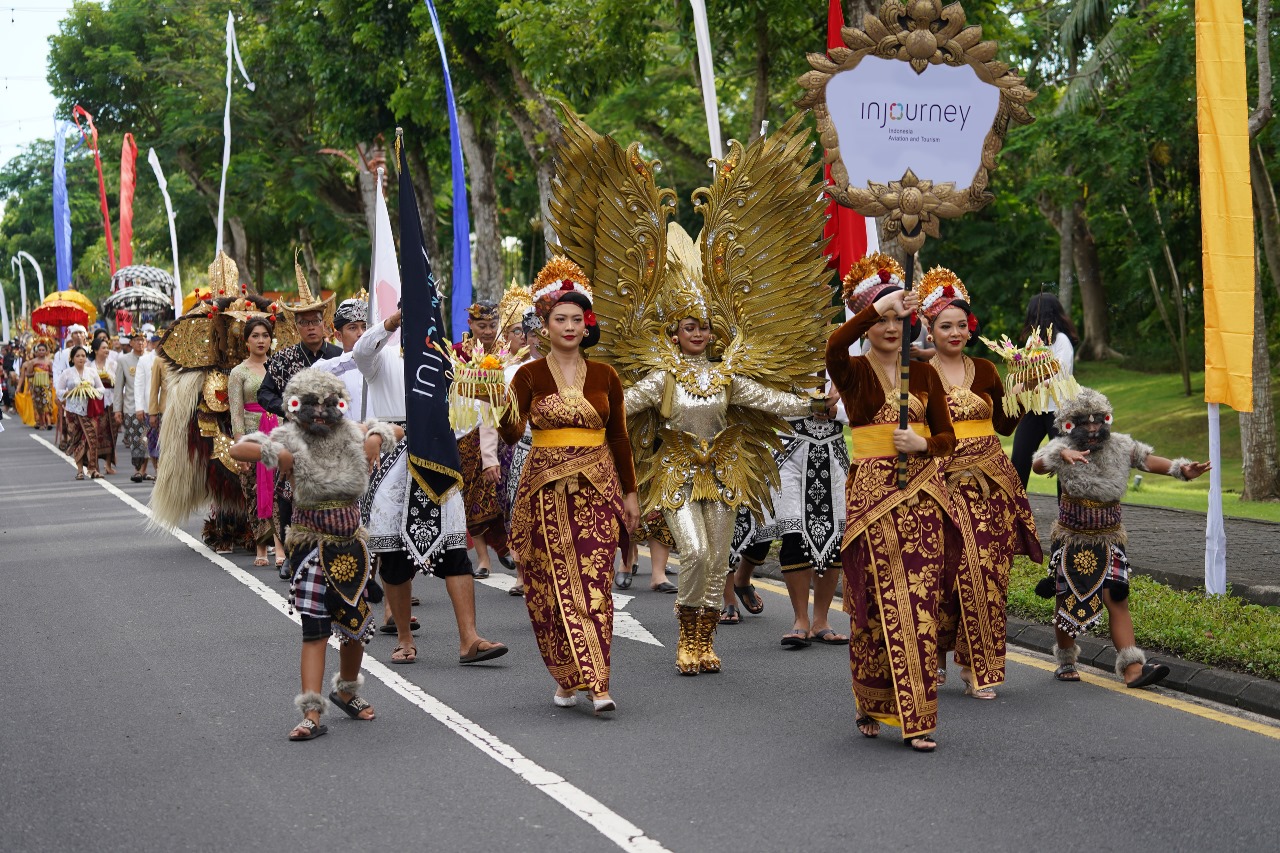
<point x="703" y="427"/>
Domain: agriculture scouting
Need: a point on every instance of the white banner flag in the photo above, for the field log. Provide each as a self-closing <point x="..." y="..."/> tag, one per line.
<point x="384" y="276"/>
<point x="173" y="234"/>
<point x="233" y="50"/>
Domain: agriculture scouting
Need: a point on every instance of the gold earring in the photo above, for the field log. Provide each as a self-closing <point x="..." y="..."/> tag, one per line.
<point x="929" y="338"/>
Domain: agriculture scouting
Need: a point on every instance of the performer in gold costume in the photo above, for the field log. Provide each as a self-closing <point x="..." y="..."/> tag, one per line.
<point x="703" y="415"/>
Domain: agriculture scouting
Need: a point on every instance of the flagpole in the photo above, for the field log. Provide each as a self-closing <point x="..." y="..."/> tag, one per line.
<point x="173" y="233"/>
<point x="370" y="317"/>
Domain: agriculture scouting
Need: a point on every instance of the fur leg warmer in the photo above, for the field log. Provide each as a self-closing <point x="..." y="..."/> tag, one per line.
<point x="352" y="688"/>
<point x="1067" y="656"/>
<point x="311" y="701"/>
<point x="1127" y="657"/>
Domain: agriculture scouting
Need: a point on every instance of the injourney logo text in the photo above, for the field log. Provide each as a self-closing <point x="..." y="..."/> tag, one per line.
<point x="898" y="111"/>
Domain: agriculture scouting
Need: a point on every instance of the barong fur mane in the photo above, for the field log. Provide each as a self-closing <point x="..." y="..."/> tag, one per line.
<point x="182" y="483"/>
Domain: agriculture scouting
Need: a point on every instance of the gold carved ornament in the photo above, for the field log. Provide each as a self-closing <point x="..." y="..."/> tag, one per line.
<point x="923" y="33"/>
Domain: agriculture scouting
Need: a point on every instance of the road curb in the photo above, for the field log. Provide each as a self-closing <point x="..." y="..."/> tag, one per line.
<point x="1234" y="689"/>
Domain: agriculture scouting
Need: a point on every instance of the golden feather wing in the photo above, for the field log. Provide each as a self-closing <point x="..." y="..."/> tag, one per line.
<point x="610" y="218"/>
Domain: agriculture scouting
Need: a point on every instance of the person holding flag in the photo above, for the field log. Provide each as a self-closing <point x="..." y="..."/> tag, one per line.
<point x="413" y="508"/>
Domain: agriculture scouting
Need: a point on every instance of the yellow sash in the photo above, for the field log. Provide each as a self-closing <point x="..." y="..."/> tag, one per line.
<point x="876" y="440"/>
<point x="973" y="429"/>
<point x="568" y="437"/>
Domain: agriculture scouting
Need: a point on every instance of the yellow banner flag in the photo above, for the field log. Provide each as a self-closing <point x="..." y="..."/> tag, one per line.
<point x="1226" y="204"/>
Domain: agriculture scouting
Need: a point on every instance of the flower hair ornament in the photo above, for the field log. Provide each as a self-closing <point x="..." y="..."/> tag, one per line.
<point x="867" y="278"/>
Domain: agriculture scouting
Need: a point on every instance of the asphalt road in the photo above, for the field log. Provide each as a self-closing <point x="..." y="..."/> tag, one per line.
<point x="151" y="685"/>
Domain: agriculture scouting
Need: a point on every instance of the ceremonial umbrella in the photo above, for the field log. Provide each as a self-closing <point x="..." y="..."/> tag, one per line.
<point x="75" y="297"/>
<point x="189" y="301"/>
<point x="59" y="312"/>
<point x="136" y="274"/>
<point x="139" y="299"/>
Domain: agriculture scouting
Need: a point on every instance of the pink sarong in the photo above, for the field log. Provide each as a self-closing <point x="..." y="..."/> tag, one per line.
<point x="265" y="478"/>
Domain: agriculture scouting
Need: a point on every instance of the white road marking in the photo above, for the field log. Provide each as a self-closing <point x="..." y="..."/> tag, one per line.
<point x="608" y="823"/>
<point x="624" y="624"/>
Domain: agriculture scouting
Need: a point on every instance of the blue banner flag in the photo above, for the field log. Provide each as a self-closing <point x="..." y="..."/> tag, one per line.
<point x="433" y="451"/>
<point x="460" y="292"/>
<point x="61" y="208"/>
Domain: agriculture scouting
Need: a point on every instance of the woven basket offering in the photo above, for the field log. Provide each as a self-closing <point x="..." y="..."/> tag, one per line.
<point x="1033" y="376"/>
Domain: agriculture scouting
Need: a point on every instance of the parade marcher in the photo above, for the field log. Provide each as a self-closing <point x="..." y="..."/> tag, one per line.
<point x="80" y="392"/>
<point x="106" y="422"/>
<point x="130" y="406"/>
<point x="808" y="516"/>
<point x="77" y="336"/>
<point x="350" y="321"/>
<point x="1089" y="570"/>
<point x="991" y="507"/>
<point x="652" y="530"/>
<point x="312" y="317"/>
<point x="577" y="492"/>
<point x="37" y="378"/>
<point x="142" y="386"/>
<point x="328" y="457"/>
<point x="248" y="416"/>
<point x="155" y="406"/>
<point x="480" y="472"/>
<point x="1045" y="314"/>
<point x="895" y="540"/>
<point x="703" y="418"/>
<point x="520" y="325"/>
<point x="407" y="530"/>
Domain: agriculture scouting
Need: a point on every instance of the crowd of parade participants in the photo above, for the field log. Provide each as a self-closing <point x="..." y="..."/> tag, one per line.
<point x="297" y="448"/>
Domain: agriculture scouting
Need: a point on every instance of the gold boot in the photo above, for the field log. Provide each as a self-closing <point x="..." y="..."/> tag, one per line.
<point x="708" y="620"/>
<point x="687" y="648"/>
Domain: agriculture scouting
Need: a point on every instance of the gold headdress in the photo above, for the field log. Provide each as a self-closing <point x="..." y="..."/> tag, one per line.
<point x="306" y="302"/>
<point x="514" y="304"/>
<point x="558" y="276"/>
<point x="868" y="277"/>
<point x="683" y="294"/>
<point x="937" y="290"/>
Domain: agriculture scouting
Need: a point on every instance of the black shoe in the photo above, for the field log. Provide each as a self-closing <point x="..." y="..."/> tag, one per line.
<point x="507" y="563"/>
<point x="480" y="574"/>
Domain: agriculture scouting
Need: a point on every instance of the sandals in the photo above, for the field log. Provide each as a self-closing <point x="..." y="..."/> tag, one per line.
<point x="942" y="675"/>
<point x="138" y="478"/>
<point x="1067" y="672"/>
<point x="828" y="636"/>
<point x="79" y="475"/>
<point x="795" y="640"/>
<point x="977" y="692"/>
<point x="730" y="615"/>
<point x="863" y="723"/>
<point x="353" y="706"/>
<point x="922" y="743"/>
<point x="308" y="729"/>
<point x="477" y="655"/>
<point x="389" y="627"/>
<point x="404" y="654"/>
<point x="750" y="599"/>
<point x="259" y="561"/>
<point x="95" y="475"/>
<point x="1153" y="672"/>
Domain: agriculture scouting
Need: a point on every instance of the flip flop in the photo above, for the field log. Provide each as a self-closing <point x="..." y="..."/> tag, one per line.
<point x="795" y="640"/>
<point x="730" y="615"/>
<point x="312" y="731"/>
<point x="389" y="627"/>
<point x="408" y="654"/>
<point x="259" y="561"/>
<point x="1153" y="672"/>
<point x="829" y="637"/>
<point x="750" y="599"/>
<point x="475" y="655"/>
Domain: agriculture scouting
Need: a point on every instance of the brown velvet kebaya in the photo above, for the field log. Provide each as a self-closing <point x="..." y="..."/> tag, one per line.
<point x="567" y="516"/>
<point x="895" y="541"/>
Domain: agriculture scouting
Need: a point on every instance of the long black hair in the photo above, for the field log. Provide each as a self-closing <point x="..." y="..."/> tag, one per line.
<point x="1044" y="310"/>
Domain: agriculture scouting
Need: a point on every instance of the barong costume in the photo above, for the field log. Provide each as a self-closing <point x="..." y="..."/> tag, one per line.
<point x="567" y="516"/>
<point x="894" y="550"/>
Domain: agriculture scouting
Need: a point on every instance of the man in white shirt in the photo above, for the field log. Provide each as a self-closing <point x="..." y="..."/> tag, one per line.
<point x="350" y="322"/>
<point x="141" y="395"/>
<point x="131" y="407"/>
<point x="407" y="530"/>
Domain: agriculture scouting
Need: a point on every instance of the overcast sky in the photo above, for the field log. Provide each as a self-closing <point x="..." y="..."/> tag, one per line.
<point x="26" y="105"/>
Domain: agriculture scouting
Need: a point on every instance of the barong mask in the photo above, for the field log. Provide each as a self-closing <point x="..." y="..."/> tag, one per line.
<point x="1085" y="420"/>
<point x="316" y="401"/>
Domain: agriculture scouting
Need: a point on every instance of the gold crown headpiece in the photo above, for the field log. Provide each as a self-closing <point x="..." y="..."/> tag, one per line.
<point x="307" y="302"/>
<point x="868" y="277"/>
<point x="224" y="277"/>
<point x="559" y="276"/>
<point x="517" y="300"/>
<point x="937" y="290"/>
